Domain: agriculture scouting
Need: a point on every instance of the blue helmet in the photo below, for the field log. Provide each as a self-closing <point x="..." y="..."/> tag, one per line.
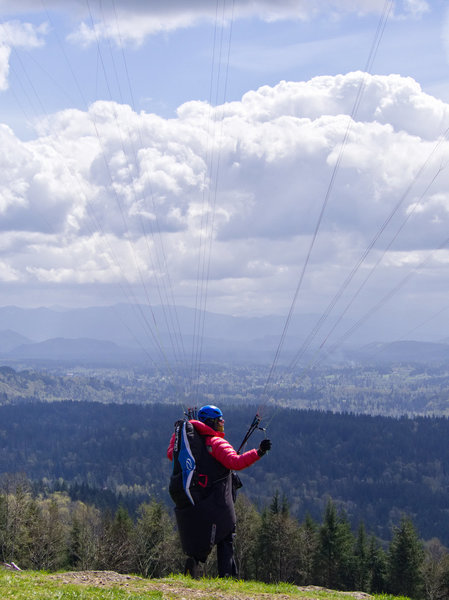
<point x="209" y="412"/>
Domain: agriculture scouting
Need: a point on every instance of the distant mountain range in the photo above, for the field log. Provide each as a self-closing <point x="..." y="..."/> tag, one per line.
<point x="129" y="334"/>
<point x="130" y="324"/>
<point x="126" y="333"/>
<point x="404" y="351"/>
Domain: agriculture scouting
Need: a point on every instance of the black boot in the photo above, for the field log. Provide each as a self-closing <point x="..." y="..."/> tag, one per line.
<point x="192" y="568"/>
<point x="225" y="557"/>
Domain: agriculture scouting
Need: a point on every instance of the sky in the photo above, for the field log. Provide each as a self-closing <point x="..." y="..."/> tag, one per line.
<point x="249" y="157"/>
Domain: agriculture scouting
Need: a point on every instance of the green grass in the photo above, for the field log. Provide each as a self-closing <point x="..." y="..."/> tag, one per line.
<point x="31" y="585"/>
<point x="229" y="585"/>
<point x="390" y="597"/>
<point x="256" y="587"/>
<point x="37" y="586"/>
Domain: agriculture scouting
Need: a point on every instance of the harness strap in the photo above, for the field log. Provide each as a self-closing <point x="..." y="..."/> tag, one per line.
<point x="202" y="479"/>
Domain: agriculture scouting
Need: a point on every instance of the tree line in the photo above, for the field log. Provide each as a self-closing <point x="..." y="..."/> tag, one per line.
<point x="53" y="532"/>
<point x="375" y="467"/>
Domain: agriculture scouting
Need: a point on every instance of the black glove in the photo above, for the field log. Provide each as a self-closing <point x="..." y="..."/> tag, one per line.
<point x="265" y="445"/>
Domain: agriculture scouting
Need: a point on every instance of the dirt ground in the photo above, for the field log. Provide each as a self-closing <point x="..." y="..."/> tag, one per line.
<point x="174" y="589"/>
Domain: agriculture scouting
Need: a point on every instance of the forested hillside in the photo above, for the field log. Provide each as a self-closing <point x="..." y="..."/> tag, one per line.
<point x="374" y="467"/>
<point x="395" y="389"/>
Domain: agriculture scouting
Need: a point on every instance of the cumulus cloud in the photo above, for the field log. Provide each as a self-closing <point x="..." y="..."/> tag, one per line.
<point x="108" y="195"/>
<point x="14" y="34"/>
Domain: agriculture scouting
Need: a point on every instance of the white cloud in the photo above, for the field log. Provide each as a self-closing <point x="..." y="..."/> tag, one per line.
<point x="7" y="274"/>
<point x="134" y="26"/>
<point x="5" y="53"/>
<point x="109" y="195"/>
<point x="416" y="8"/>
<point x="134" y="20"/>
<point x="14" y="34"/>
<point x="22" y="35"/>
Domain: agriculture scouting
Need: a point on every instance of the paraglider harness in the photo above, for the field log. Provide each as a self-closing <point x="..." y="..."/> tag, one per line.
<point x="194" y="470"/>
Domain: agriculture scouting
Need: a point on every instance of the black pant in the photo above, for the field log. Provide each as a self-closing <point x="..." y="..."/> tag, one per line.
<point x="225" y="557"/>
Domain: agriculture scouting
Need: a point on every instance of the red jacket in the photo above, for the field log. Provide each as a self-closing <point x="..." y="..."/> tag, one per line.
<point x="219" y="448"/>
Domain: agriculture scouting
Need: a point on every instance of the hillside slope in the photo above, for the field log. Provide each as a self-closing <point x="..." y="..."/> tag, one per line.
<point x="102" y="585"/>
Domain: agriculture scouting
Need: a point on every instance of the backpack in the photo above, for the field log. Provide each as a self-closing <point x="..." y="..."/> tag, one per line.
<point x="194" y="469"/>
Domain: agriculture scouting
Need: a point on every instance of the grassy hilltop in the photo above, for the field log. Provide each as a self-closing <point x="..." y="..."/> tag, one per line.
<point x="108" y="585"/>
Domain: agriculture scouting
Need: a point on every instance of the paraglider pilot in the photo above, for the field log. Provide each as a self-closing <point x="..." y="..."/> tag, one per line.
<point x="202" y="488"/>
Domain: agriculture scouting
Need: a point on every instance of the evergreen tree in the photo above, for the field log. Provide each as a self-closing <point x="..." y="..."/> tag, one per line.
<point x="405" y="561"/>
<point x="308" y="546"/>
<point x="277" y="548"/>
<point x="346" y="547"/>
<point x="377" y="566"/>
<point x="335" y="559"/>
<point x="361" y="568"/>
